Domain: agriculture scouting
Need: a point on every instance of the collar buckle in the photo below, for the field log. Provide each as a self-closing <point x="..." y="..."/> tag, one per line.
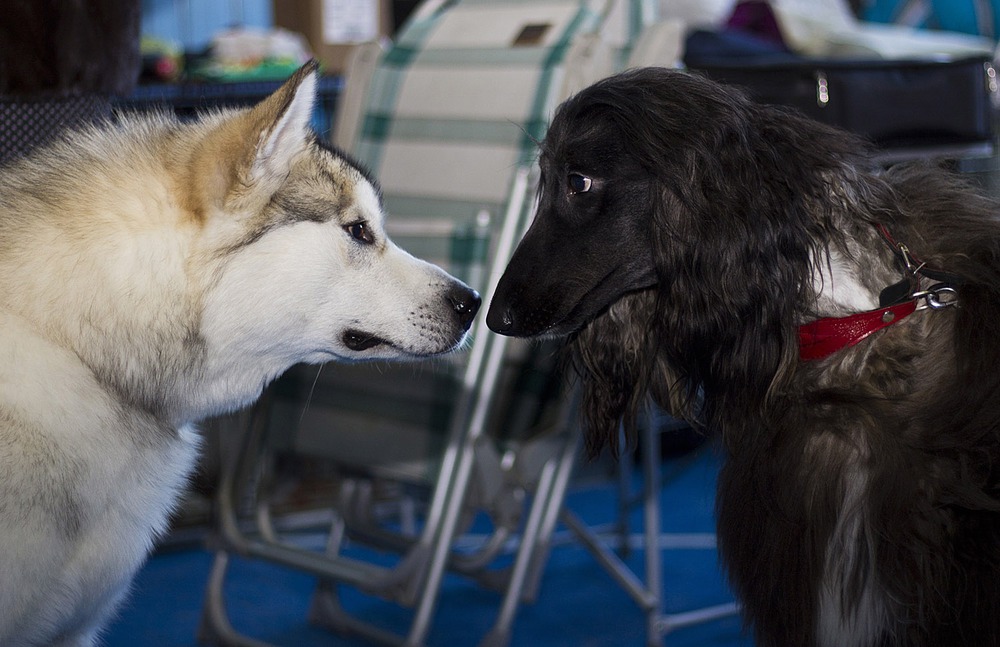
<point x="937" y="297"/>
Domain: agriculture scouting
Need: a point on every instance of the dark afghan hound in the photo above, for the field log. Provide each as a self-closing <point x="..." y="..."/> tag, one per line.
<point x="837" y="323"/>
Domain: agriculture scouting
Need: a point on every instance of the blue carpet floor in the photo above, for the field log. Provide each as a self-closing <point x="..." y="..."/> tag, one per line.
<point x="579" y="604"/>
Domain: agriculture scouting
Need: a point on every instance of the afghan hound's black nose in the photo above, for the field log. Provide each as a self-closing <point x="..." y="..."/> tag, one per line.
<point x="465" y="301"/>
<point x="500" y="320"/>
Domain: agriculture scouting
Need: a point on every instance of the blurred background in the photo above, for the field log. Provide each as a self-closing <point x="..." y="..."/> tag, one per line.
<point x="449" y="503"/>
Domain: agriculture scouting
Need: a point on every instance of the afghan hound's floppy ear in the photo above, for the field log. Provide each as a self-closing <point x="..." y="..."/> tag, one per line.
<point x="617" y="357"/>
<point x="732" y="235"/>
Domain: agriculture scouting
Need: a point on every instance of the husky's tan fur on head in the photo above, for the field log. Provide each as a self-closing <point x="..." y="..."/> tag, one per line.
<point x="153" y="273"/>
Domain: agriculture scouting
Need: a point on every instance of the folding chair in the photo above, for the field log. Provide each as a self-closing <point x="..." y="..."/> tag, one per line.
<point x="446" y="118"/>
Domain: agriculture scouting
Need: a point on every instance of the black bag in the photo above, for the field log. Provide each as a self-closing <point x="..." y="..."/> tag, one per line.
<point x="898" y="104"/>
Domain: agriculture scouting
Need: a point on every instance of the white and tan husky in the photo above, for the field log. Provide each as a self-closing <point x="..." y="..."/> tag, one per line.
<point x="152" y="274"/>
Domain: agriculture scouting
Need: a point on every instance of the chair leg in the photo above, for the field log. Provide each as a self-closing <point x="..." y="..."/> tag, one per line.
<point x="499" y="635"/>
<point x="651" y="516"/>
<point x="658" y="623"/>
<point x="647" y="593"/>
<point x="626" y="500"/>
<point x="551" y="517"/>
<point x="215" y="628"/>
<point x="440" y="548"/>
<point x="325" y="609"/>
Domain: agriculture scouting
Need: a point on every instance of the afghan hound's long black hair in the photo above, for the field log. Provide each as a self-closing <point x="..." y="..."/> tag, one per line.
<point x="685" y="239"/>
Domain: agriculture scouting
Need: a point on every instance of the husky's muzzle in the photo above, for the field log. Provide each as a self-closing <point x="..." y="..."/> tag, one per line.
<point x="461" y="300"/>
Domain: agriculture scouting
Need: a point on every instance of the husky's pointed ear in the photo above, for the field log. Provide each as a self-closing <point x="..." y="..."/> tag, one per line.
<point x="282" y="125"/>
<point x="246" y="155"/>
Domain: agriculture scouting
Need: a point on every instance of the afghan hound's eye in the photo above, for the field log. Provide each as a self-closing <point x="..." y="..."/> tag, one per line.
<point x="579" y="183"/>
<point x="359" y="231"/>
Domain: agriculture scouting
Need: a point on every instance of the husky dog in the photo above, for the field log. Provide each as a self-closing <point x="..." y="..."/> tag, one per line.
<point x="154" y="273"/>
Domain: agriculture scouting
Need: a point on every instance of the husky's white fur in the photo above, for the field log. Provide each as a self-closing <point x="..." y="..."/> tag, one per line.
<point x="152" y="274"/>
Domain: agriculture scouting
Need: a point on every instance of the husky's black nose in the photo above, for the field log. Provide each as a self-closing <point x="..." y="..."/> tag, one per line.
<point x="465" y="301"/>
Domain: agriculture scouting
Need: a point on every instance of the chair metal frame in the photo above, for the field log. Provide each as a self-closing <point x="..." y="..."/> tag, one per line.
<point x="415" y="581"/>
<point x="646" y="592"/>
<point x="417" y="578"/>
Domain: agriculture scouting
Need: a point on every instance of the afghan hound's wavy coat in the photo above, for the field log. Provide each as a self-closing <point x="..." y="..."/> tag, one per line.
<point x="694" y="244"/>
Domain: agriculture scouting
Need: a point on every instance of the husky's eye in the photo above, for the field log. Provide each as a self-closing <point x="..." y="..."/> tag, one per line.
<point x="578" y="183"/>
<point x="360" y="232"/>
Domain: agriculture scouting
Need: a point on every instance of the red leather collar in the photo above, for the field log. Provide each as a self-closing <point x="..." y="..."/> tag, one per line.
<point x="823" y="337"/>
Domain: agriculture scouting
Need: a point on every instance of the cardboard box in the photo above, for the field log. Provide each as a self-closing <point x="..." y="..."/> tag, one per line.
<point x="333" y="27"/>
